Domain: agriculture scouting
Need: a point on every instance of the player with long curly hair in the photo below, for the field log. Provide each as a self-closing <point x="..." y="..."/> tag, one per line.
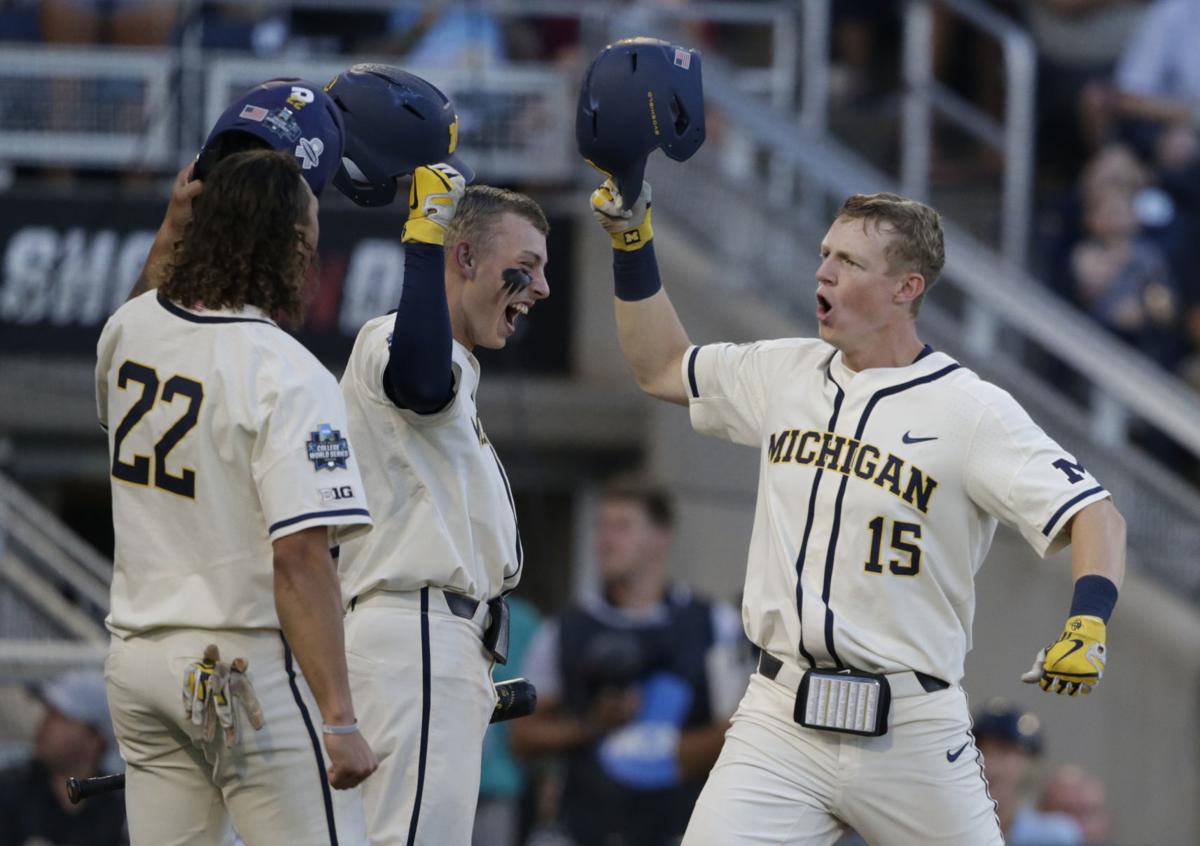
<point x="252" y="236"/>
<point x="231" y="479"/>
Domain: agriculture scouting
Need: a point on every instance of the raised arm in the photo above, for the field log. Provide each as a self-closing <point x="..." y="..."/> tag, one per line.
<point x="418" y="374"/>
<point x="652" y="337"/>
<point x="179" y="212"/>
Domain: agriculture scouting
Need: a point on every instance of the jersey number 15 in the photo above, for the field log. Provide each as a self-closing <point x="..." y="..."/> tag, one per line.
<point x="901" y="532"/>
<point x="137" y="471"/>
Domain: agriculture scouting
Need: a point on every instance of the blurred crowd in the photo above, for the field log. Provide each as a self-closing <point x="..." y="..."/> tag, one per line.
<point x="1121" y="237"/>
<point x="1118" y="148"/>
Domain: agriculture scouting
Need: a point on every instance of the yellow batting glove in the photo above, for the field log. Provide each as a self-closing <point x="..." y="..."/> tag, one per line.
<point x="1074" y="663"/>
<point x="629" y="228"/>
<point x="432" y="200"/>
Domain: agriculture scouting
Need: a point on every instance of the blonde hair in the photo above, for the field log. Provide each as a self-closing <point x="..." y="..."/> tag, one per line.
<point x="481" y="208"/>
<point x="916" y="244"/>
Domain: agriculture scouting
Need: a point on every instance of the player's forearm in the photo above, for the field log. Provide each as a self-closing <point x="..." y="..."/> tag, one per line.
<point x="175" y="221"/>
<point x="308" y="602"/>
<point x="652" y="338"/>
<point x="418" y="374"/>
<point x="1098" y="542"/>
<point x="699" y="748"/>
<point x="157" y="261"/>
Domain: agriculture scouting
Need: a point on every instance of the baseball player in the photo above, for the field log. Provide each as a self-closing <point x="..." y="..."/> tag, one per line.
<point x="231" y="478"/>
<point x="885" y="467"/>
<point x="424" y="592"/>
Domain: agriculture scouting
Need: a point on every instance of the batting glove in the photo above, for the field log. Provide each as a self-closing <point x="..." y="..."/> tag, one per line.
<point x="432" y="200"/>
<point x="1075" y="662"/>
<point x="205" y="694"/>
<point x="629" y="228"/>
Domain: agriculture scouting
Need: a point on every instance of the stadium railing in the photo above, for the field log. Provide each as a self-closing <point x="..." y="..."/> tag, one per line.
<point x="769" y="250"/>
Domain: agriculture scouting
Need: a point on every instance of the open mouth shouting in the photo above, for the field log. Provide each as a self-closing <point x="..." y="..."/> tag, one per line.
<point x="511" y="312"/>
<point x="824" y="307"/>
<point x="516" y="281"/>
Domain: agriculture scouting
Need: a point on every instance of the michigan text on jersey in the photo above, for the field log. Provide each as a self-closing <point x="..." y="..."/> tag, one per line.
<point x="849" y="456"/>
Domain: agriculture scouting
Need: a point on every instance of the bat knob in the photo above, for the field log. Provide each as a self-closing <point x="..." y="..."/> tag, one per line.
<point x="73" y="790"/>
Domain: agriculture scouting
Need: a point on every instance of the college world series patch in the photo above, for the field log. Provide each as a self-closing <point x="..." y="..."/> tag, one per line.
<point x="327" y="449"/>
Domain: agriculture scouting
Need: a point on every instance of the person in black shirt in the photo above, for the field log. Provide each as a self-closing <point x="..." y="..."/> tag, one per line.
<point x="635" y="685"/>
<point x="72" y="739"/>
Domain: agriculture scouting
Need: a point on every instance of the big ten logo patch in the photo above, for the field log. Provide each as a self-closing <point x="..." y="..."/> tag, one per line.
<point x="300" y="97"/>
<point x="336" y="494"/>
<point x="479" y="433"/>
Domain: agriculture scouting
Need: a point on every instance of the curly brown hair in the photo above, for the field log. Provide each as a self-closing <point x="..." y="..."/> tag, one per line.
<point x="243" y="245"/>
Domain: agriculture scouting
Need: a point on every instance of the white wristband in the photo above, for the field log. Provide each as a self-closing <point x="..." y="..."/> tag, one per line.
<point x="350" y="729"/>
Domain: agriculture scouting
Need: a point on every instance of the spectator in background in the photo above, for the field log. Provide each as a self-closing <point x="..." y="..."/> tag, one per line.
<point x="19" y="20"/>
<point x="864" y="50"/>
<point x="72" y="739"/>
<point x="1078" y="44"/>
<point x="129" y="22"/>
<point x="1158" y="81"/>
<point x="444" y="35"/>
<point x="635" y="685"/>
<point x="1080" y="794"/>
<point x="1010" y="740"/>
<point x="502" y="781"/>
<point x="1122" y="279"/>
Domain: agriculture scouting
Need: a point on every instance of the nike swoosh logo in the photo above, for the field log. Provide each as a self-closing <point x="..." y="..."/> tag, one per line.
<point x="953" y="756"/>
<point x="1078" y="646"/>
<point x="909" y="439"/>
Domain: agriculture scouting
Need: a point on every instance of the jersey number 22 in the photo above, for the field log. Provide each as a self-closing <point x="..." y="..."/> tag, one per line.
<point x="137" y="472"/>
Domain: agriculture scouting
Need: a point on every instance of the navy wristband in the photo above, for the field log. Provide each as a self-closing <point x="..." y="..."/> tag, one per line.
<point x="635" y="273"/>
<point x="1094" y="596"/>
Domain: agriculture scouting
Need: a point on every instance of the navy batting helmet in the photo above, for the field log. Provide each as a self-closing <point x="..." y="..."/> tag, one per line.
<point x="395" y="122"/>
<point x="1002" y="720"/>
<point x="638" y="95"/>
<point x="283" y="114"/>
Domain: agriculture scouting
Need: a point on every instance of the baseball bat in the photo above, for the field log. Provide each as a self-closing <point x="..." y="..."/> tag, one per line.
<point x="514" y="698"/>
<point x="79" y="789"/>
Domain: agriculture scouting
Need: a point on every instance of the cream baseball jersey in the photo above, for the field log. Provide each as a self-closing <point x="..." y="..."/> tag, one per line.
<point x="225" y="434"/>
<point x="879" y="493"/>
<point x="443" y="507"/>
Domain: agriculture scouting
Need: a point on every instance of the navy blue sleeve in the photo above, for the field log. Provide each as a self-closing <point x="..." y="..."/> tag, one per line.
<point x="418" y="375"/>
